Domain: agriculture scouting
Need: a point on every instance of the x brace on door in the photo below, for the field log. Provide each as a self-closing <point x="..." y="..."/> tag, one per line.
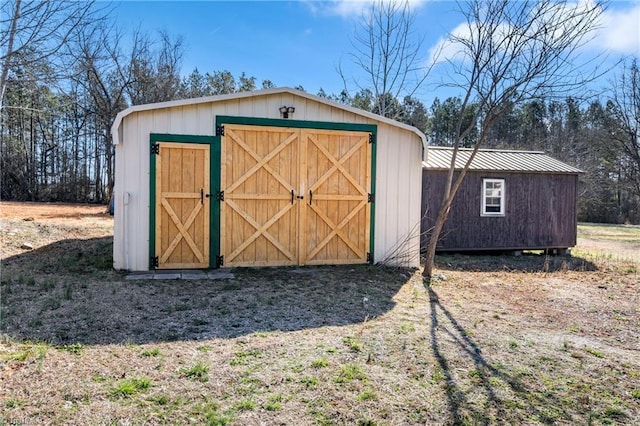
<point x="337" y="166"/>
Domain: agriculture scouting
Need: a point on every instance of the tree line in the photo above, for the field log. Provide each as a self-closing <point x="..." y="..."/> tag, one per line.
<point x="58" y="108"/>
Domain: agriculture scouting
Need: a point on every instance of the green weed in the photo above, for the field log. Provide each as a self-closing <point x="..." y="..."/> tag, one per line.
<point x="242" y="357"/>
<point x="274" y="403"/>
<point x="48" y="285"/>
<point x="309" y="382"/>
<point x="320" y="363"/>
<point x="366" y="395"/>
<point x="150" y="352"/>
<point x="205" y="348"/>
<point x="12" y="403"/>
<point x="245" y="405"/>
<point x="352" y="344"/>
<point x="68" y="292"/>
<point x="130" y="387"/>
<point x="198" y="372"/>
<point x="75" y="349"/>
<point x="594" y="352"/>
<point x="348" y="373"/>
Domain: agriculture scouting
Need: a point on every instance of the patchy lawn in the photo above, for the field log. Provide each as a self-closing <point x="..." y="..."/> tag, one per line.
<point x="505" y="340"/>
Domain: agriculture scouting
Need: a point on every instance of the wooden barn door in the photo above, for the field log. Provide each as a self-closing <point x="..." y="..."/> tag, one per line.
<point x="182" y="205"/>
<point x="259" y="214"/>
<point x="336" y="216"/>
<point x="294" y="196"/>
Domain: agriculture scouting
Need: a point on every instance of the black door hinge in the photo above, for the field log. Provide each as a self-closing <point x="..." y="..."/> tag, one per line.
<point x="220" y="130"/>
<point x="219" y="261"/>
<point x="154" y="262"/>
<point x="371" y="198"/>
<point x="369" y="257"/>
<point x="155" y="148"/>
<point x="372" y="138"/>
<point x="220" y="196"/>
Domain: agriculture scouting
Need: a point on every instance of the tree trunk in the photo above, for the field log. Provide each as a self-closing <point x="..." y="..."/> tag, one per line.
<point x="8" y="55"/>
<point x="435" y="235"/>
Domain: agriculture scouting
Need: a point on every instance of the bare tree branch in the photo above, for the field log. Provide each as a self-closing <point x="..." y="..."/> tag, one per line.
<point x="510" y="52"/>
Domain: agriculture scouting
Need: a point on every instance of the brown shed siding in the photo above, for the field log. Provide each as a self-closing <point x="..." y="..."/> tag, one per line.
<point x="540" y="212"/>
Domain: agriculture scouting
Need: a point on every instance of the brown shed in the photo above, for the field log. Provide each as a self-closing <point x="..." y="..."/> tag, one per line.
<point x="509" y="200"/>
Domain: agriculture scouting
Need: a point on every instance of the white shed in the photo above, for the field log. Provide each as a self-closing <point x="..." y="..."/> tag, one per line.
<point x="270" y="177"/>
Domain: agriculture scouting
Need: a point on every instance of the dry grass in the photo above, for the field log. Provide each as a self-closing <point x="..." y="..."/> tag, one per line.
<point x="503" y="340"/>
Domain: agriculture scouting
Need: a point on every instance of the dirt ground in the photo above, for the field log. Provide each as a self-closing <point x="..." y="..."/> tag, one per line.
<point x="493" y="340"/>
<point x="50" y="211"/>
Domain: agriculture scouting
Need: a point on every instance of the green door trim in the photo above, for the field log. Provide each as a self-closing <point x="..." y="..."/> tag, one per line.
<point x="304" y="124"/>
<point x="214" y="176"/>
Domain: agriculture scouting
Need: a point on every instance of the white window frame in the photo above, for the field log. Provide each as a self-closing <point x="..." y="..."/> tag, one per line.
<point x="483" y="208"/>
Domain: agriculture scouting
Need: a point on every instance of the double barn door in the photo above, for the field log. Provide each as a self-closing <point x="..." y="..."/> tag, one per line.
<point x="294" y="196"/>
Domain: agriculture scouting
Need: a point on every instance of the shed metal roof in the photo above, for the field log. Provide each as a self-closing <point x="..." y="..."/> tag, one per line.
<point x="439" y="158"/>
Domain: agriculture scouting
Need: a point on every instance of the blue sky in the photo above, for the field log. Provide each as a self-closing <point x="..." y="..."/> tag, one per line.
<point x="303" y="42"/>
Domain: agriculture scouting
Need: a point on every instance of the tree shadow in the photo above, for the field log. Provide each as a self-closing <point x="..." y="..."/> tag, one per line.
<point x="526" y="262"/>
<point x="67" y="293"/>
<point x="449" y="339"/>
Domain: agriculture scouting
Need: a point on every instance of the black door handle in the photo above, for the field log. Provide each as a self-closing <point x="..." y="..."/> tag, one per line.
<point x="310" y="197"/>
<point x="292" y="196"/>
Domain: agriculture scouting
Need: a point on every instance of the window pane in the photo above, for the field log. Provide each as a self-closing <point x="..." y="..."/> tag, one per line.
<point x="493" y="197"/>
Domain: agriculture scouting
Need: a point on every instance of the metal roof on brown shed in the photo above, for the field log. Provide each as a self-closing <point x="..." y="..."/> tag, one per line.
<point x="439" y="158"/>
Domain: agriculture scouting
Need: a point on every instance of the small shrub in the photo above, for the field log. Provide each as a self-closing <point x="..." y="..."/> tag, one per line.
<point x="635" y="393"/>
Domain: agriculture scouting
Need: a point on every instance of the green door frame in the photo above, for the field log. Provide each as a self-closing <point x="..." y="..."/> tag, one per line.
<point x="214" y="176"/>
<point x="372" y="129"/>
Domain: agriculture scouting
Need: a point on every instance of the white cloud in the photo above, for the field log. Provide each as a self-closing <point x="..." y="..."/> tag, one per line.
<point x="618" y="32"/>
<point x="620" y="29"/>
<point x="446" y="50"/>
<point x="349" y="9"/>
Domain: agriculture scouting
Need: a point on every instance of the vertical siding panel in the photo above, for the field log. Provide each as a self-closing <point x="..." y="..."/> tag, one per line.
<point x="398" y="169"/>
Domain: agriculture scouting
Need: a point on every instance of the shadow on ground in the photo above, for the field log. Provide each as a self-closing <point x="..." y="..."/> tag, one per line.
<point x="67" y="293"/>
<point x="454" y="351"/>
<point x="499" y="262"/>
